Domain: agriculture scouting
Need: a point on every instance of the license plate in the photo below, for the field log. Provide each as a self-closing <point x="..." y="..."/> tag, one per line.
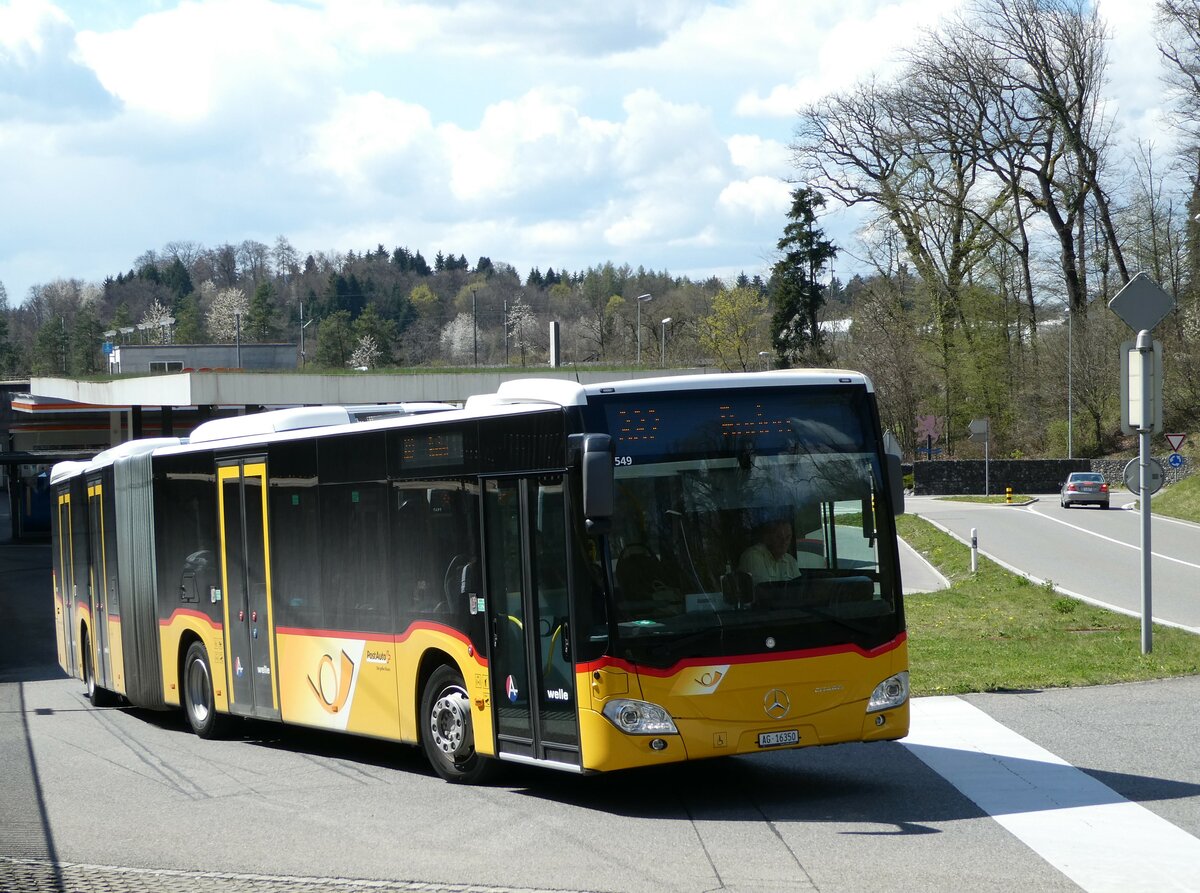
<point x="777" y="739"/>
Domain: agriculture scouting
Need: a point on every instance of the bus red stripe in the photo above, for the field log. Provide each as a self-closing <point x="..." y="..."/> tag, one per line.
<point x="769" y="657"/>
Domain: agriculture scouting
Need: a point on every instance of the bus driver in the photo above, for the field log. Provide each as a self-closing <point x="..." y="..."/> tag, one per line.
<point x="769" y="560"/>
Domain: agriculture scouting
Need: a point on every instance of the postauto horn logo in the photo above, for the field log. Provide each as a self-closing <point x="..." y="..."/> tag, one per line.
<point x="332" y="687"/>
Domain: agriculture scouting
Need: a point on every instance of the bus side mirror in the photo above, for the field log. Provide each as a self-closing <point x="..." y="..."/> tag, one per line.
<point x="896" y="483"/>
<point x="599" y="485"/>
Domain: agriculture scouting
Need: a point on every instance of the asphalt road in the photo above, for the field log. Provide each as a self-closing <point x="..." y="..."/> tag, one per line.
<point x="1085" y="551"/>
<point x="122" y="799"/>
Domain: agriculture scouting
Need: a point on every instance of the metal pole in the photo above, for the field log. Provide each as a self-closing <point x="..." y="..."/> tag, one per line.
<point x="475" y="326"/>
<point x="639" y="331"/>
<point x="987" y="438"/>
<point x="237" y="319"/>
<point x="301" y="334"/>
<point x="1145" y="349"/>
<point x="506" y="331"/>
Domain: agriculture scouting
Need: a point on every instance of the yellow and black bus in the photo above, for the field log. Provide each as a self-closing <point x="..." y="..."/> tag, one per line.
<point x="581" y="577"/>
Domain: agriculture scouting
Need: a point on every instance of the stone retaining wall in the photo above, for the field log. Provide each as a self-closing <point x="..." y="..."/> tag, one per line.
<point x="1028" y="476"/>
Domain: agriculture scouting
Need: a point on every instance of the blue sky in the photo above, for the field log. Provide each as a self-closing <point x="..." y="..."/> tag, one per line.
<point x="538" y="133"/>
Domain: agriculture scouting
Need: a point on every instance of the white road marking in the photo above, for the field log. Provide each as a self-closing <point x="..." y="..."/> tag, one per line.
<point x="1134" y="546"/>
<point x="1085" y="829"/>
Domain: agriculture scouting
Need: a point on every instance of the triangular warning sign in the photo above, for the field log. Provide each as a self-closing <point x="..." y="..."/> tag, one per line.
<point x="1175" y="441"/>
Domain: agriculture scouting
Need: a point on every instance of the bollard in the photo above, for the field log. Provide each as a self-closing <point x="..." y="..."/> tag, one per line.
<point x="1008" y="495"/>
<point x="974" y="550"/>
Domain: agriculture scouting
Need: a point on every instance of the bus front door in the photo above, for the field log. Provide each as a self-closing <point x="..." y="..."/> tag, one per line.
<point x="529" y="616"/>
<point x="250" y="664"/>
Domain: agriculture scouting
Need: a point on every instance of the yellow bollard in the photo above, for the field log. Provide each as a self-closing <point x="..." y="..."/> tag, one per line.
<point x="1008" y="495"/>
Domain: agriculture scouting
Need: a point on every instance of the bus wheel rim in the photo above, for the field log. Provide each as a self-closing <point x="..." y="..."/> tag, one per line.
<point x="198" y="691"/>
<point x="448" y="723"/>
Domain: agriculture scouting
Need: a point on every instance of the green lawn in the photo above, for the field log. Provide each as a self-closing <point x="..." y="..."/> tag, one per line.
<point x="996" y="631"/>
<point x="1180" y="500"/>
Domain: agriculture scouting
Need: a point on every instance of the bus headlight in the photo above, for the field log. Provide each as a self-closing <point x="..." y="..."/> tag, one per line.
<point x="891" y="692"/>
<point x="639" y="717"/>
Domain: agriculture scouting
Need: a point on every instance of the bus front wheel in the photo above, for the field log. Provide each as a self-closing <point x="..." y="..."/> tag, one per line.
<point x="446" y="730"/>
<point x="198" y="701"/>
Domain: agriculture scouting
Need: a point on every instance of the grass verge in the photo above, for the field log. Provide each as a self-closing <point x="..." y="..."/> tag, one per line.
<point x="1181" y="500"/>
<point x="995" y="630"/>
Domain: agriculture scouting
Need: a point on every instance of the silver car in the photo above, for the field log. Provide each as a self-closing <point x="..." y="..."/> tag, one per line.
<point x="1083" y="488"/>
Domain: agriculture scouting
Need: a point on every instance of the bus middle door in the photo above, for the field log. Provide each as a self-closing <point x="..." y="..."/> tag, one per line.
<point x="246" y="577"/>
<point x="64" y="568"/>
<point x="98" y="586"/>
<point x="532" y="672"/>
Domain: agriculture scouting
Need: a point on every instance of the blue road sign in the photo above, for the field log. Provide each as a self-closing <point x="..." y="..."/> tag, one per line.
<point x="1175" y="460"/>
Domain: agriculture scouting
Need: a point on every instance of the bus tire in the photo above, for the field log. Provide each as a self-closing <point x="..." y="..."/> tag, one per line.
<point x="97" y="696"/>
<point x="447" y="734"/>
<point x="198" y="701"/>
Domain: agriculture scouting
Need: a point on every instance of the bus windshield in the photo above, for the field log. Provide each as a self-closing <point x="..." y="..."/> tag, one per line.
<point x="748" y="521"/>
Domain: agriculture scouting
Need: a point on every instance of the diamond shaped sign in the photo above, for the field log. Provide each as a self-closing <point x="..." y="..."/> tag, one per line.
<point x="1141" y="304"/>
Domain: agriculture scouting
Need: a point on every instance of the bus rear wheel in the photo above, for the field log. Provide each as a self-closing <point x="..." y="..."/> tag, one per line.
<point x="198" y="701"/>
<point x="97" y="696"/>
<point x="446" y="730"/>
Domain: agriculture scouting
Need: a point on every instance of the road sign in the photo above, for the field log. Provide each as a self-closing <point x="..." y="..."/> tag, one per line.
<point x="1175" y="441"/>
<point x="1133" y="476"/>
<point x="930" y="451"/>
<point x="1135" y="416"/>
<point x="978" y="430"/>
<point x="1141" y="304"/>
<point x="929" y="426"/>
<point x="1175" y="460"/>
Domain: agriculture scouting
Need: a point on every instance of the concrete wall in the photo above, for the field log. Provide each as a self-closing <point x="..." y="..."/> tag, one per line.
<point x="1027" y="476"/>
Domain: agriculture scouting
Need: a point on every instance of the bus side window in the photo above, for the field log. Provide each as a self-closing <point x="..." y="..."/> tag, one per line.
<point x="409" y="544"/>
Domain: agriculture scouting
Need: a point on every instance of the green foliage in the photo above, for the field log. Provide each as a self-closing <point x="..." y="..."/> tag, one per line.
<point x="735" y="332"/>
<point x="424" y="301"/>
<point x="381" y="331"/>
<point x="795" y="292"/>
<point x="85" y="356"/>
<point x="189" y="323"/>
<point x="50" y="349"/>
<point x="259" y="325"/>
<point x="336" y="340"/>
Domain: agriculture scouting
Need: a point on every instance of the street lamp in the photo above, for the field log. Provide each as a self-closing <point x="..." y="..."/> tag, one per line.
<point x="640" y="299"/>
<point x="664" y="343"/>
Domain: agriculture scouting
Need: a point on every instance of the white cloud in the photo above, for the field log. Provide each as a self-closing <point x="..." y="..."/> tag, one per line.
<point x="370" y="138"/>
<point x="867" y="38"/>
<point x="24" y="29"/>
<point x="758" y="198"/>
<point x="191" y="61"/>
<point x="537" y="142"/>
<point x="752" y="154"/>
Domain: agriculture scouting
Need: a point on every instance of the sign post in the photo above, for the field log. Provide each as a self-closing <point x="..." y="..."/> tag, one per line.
<point x="1141" y="304"/>
<point x="979" y="430"/>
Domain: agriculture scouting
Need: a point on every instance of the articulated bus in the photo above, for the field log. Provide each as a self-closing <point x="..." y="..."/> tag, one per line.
<point x="554" y="574"/>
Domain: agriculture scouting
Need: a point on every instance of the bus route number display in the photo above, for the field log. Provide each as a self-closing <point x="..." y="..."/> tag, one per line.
<point x="432" y="450"/>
